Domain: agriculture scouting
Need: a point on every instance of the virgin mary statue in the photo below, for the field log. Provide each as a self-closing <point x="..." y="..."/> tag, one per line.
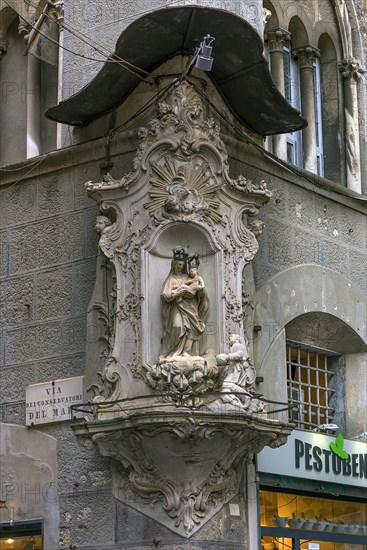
<point x="185" y="305"/>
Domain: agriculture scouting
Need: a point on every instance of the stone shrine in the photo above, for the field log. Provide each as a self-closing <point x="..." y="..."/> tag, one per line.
<point x="171" y="383"/>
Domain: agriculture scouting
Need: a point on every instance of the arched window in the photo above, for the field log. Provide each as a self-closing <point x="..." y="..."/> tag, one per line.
<point x="332" y="119"/>
<point x="28" y="87"/>
<point x="317" y="40"/>
<point x="13" y="78"/>
<point x="322" y="351"/>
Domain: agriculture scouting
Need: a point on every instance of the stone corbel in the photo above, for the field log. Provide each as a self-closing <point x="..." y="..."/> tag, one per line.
<point x="181" y="467"/>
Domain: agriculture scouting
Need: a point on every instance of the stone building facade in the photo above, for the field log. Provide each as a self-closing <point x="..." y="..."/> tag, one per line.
<point x="221" y="164"/>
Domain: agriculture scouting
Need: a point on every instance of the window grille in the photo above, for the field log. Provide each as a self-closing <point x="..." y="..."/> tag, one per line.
<point x="310" y="373"/>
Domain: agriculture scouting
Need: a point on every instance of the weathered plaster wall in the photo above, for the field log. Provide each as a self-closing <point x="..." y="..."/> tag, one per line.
<point x="48" y="250"/>
<point x="29" y="478"/>
<point x="324" y="232"/>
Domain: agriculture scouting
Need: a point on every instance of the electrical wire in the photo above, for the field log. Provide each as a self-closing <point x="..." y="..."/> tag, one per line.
<point x="110" y="135"/>
<point x="91" y="43"/>
<point x="123" y="63"/>
<point x="95" y="45"/>
<point x="26" y="174"/>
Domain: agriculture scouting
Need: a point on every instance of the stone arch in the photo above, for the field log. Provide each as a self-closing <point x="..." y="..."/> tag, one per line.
<point x="352" y="42"/>
<point x="310" y="288"/>
<point x="7" y="13"/>
<point x="324" y="330"/>
<point x="291" y="294"/>
<point x="273" y="21"/>
<point x="299" y="33"/>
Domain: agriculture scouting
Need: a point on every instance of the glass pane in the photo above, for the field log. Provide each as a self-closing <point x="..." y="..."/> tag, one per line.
<point x="21" y="543"/>
<point x="276" y="543"/>
<point x="313" y="513"/>
<point x="326" y="545"/>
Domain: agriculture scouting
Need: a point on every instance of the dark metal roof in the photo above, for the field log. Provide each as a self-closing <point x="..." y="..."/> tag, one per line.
<point x="240" y="72"/>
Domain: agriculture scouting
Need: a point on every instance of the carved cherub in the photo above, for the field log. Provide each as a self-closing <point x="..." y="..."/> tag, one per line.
<point x="257" y="226"/>
<point x="102" y="224"/>
<point x="240" y="374"/>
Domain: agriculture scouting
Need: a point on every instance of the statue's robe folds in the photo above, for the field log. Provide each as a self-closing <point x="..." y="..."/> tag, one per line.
<point x="183" y="317"/>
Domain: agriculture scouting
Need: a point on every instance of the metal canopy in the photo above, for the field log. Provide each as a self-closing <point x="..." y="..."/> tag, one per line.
<point x="240" y="72"/>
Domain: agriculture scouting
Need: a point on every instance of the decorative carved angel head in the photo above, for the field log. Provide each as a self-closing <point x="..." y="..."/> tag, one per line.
<point x="101" y="223"/>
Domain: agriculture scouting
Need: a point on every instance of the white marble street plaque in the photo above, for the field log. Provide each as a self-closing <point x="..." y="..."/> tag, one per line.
<point x="51" y="401"/>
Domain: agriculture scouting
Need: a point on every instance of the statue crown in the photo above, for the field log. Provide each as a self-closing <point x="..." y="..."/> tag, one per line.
<point x="179" y="253"/>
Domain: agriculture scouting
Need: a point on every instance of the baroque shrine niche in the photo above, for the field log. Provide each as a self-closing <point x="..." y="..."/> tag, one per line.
<point x="167" y="342"/>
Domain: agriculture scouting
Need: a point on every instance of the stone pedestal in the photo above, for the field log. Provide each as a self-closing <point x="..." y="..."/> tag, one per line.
<point x="178" y="466"/>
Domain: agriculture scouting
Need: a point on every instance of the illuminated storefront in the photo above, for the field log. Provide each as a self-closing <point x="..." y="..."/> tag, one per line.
<point x="313" y="494"/>
<point x="25" y="535"/>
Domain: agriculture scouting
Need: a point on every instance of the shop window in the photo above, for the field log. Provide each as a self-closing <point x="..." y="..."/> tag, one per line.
<point x="21" y="536"/>
<point x="312" y="376"/>
<point x="293" y="521"/>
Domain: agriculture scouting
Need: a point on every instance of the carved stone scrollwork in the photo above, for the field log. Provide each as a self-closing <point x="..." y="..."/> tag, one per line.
<point x="174" y="401"/>
<point x="198" y="471"/>
<point x="248" y="186"/>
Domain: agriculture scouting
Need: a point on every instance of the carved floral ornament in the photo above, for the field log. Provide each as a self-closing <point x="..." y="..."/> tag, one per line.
<point x="167" y="322"/>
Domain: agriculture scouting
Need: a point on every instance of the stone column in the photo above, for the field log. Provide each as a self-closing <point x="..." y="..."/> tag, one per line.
<point x="276" y="39"/>
<point x="306" y="56"/>
<point x="32" y="97"/>
<point x="351" y="72"/>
